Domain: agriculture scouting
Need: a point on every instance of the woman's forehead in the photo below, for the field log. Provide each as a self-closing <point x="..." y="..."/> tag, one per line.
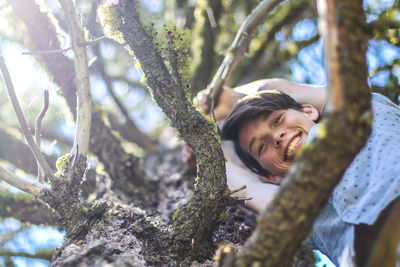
<point x="263" y="116"/>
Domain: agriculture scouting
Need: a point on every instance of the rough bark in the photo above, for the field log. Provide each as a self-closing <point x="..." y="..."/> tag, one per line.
<point x="194" y="222"/>
<point x="70" y="214"/>
<point x="287" y="220"/>
<point x="124" y="170"/>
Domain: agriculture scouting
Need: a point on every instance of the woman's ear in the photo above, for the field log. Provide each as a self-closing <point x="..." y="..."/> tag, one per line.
<point x="310" y="111"/>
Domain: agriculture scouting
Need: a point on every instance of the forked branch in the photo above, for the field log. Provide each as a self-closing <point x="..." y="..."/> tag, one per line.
<point x="56" y="51"/>
<point x="192" y="230"/>
<point x="22" y="122"/>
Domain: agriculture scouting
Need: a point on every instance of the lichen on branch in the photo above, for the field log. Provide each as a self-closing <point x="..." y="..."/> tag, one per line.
<point x="195" y="222"/>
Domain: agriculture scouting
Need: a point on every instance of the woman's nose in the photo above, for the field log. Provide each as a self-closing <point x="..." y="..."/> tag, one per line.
<point x="278" y="139"/>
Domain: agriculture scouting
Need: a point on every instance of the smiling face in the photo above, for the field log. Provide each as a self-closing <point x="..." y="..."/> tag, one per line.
<point x="274" y="141"/>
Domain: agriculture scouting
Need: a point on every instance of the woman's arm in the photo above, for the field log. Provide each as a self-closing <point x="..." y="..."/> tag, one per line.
<point x="302" y="93"/>
<point x="226" y="101"/>
<point x="315" y="95"/>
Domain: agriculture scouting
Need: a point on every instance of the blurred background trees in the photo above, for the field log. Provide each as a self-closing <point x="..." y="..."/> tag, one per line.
<point x="286" y="45"/>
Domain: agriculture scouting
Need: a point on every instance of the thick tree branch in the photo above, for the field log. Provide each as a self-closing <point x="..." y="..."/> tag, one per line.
<point x="192" y="227"/>
<point x="84" y="109"/>
<point x="287" y="220"/>
<point x="238" y="48"/>
<point x="43" y="34"/>
<point x="270" y="56"/>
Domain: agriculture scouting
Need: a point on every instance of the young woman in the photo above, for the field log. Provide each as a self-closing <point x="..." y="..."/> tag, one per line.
<point x="268" y="129"/>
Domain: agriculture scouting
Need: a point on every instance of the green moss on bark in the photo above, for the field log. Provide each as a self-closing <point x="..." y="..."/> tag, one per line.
<point x="195" y="222"/>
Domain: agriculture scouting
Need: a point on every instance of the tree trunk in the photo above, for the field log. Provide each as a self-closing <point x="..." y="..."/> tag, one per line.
<point x="195" y="222"/>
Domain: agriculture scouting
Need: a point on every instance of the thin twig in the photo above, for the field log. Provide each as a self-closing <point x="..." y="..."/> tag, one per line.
<point x="237" y="49"/>
<point x="243" y="198"/>
<point x="92" y="42"/>
<point x="22" y="122"/>
<point x="25" y="185"/>
<point x="237" y="189"/>
<point x="55" y="51"/>
<point x="38" y="129"/>
<point x="84" y="107"/>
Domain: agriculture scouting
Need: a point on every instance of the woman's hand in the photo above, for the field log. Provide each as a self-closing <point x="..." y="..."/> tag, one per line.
<point x="226" y="101"/>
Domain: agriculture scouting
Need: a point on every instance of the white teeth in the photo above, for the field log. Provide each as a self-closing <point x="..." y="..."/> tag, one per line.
<point x="292" y="146"/>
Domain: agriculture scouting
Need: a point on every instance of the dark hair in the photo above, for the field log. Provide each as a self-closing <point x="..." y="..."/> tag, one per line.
<point x="251" y="107"/>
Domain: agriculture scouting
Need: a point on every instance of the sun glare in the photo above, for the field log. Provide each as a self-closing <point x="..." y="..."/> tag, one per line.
<point x="23" y="69"/>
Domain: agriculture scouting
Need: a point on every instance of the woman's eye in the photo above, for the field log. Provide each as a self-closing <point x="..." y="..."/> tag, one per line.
<point x="261" y="147"/>
<point x="277" y="119"/>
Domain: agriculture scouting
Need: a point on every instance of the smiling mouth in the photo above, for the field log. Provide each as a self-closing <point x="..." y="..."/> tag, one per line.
<point x="292" y="147"/>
